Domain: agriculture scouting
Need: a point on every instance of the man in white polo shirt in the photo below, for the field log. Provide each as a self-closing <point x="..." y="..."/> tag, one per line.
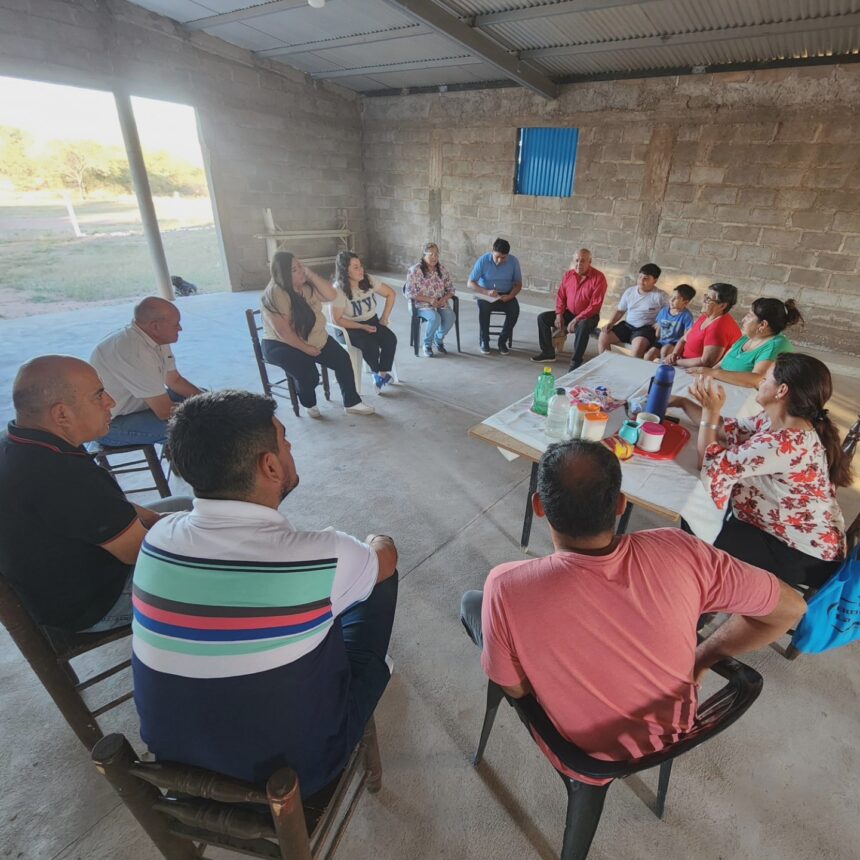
<point x="641" y="303"/>
<point x="139" y="372"/>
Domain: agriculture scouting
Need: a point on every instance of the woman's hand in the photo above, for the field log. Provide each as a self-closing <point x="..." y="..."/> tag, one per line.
<point x="671" y="359"/>
<point x="302" y="274"/>
<point x="701" y="370"/>
<point x="312" y="351"/>
<point x="383" y="320"/>
<point x="711" y="396"/>
<point x="370" y="328"/>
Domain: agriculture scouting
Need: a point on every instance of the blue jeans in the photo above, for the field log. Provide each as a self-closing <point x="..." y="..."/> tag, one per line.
<point x="138" y="428"/>
<point x="439" y="322"/>
<point x="121" y="613"/>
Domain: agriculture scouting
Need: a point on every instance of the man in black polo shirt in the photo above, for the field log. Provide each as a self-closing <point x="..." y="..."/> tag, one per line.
<point x="68" y="535"/>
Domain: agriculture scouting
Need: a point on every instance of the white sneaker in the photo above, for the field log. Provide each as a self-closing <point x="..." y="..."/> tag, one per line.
<point x="359" y="409"/>
<point x="314" y="412"/>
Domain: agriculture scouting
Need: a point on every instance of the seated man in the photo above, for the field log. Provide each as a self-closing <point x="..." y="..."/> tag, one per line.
<point x="255" y="645"/>
<point x="68" y="535"/>
<point x="497" y="279"/>
<point x="603" y="632"/>
<point x="139" y="372"/>
<point x="641" y="304"/>
<point x="577" y="309"/>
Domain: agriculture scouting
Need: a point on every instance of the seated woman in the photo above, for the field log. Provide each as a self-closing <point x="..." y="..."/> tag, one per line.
<point x="295" y="337"/>
<point x="354" y="308"/>
<point x="712" y="333"/>
<point x="779" y="471"/>
<point x="429" y="286"/>
<point x="749" y="358"/>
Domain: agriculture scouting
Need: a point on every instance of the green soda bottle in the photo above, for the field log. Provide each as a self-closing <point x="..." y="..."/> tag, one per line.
<point x="544" y="389"/>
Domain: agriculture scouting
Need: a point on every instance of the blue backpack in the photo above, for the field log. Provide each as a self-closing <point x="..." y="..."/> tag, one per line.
<point x="833" y="616"/>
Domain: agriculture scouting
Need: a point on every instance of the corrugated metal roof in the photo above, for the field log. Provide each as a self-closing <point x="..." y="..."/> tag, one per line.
<point x="646" y="36"/>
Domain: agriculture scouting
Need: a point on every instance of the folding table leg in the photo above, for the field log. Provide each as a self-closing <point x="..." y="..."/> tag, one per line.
<point x="527" y="520"/>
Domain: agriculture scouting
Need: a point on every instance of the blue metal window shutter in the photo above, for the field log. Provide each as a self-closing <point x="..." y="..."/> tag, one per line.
<point x="547" y="159"/>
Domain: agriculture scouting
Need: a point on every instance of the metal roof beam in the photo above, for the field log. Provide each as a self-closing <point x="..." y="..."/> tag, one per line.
<point x="407" y="31"/>
<point x="477" y="44"/>
<point x="567" y="7"/>
<point x="244" y="14"/>
<point x="751" y="31"/>
<point x="445" y="62"/>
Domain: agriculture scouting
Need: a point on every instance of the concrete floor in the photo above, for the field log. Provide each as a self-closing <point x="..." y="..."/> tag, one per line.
<point x="783" y="783"/>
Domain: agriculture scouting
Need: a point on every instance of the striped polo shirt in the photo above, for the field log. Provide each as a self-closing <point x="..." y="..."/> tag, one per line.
<point x="237" y="650"/>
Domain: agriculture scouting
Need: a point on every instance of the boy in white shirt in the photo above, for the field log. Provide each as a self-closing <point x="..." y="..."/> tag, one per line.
<point x="641" y="304"/>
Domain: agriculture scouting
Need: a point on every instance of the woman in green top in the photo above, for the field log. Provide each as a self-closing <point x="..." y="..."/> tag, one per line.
<point x="750" y="358"/>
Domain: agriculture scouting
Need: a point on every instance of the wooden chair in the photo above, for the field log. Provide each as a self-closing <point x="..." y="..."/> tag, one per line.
<point x="49" y="652"/>
<point x="183" y="808"/>
<point x="415" y="321"/>
<point x="277" y="388"/>
<point x="585" y="801"/>
<point x="150" y="462"/>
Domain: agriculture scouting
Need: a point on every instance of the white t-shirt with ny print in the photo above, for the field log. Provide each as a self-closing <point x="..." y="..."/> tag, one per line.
<point x="362" y="306"/>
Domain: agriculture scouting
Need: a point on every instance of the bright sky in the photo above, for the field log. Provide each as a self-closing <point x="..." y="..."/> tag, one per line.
<point x="53" y="112"/>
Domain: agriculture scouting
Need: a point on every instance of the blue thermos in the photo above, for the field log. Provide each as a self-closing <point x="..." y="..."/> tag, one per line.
<point x="660" y="390"/>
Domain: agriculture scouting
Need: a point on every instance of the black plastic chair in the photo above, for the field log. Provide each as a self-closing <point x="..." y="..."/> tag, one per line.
<point x="584" y="801"/>
<point x="415" y="322"/>
<point x="278" y="386"/>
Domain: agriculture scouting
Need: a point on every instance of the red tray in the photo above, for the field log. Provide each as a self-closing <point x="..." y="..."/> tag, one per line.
<point x="673" y="443"/>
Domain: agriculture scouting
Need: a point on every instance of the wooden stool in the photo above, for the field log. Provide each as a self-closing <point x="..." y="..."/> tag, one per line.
<point x="150" y="462"/>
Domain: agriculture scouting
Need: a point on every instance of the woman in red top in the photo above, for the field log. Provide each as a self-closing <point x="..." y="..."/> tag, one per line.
<point x="713" y="332"/>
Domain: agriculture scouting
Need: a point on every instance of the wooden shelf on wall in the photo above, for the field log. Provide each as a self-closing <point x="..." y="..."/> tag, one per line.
<point x="277" y="239"/>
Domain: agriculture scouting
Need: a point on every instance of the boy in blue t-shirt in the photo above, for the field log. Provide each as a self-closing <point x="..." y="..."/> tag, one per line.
<point x="673" y="322"/>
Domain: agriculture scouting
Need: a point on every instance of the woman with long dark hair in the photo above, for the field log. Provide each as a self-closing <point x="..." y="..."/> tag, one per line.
<point x="779" y="470"/>
<point x="354" y="309"/>
<point x="295" y="337"/>
<point x="430" y="287"/>
<point x="750" y="357"/>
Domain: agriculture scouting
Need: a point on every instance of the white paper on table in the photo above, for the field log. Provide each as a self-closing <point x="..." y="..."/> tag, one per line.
<point x="668" y="484"/>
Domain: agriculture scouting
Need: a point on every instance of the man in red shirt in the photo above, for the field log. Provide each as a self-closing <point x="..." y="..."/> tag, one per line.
<point x="577" y="308"/>
<point x="603" y="631"/>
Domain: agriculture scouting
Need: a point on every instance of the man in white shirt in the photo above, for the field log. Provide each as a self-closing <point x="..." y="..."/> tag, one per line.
<point x="139" y="372"/>
<point x="641" y="303"/>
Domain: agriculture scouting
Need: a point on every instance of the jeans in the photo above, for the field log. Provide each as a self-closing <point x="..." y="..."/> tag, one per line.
<point x="376" y="347"/>
<point x="511" y="311"/>
<point x="302" y="369"/>
<point x="121" y="613"/>
<point x="138" y="428"/>
<point x="582" y="332"/>
<point x="366" y="634"/>
<point x="439" y="322"/>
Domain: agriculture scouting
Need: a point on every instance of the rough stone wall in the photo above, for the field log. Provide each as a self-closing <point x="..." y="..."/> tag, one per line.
<point x="270" y="136"/>
<point x="746" y="177"/>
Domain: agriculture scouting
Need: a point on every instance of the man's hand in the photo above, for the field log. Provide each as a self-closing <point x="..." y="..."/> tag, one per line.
<point x="493" y="294"/>
<point x="571" y="326"/>
<point x="558" y="322"/>
<point x="386" y="553"/>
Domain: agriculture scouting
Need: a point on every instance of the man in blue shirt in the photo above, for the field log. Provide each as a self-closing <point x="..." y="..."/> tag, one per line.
<point x="497" y="279"/>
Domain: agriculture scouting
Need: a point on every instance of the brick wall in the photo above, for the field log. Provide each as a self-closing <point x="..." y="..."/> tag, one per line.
<point x="271" y="137"/>
<point x="751" y="178"/>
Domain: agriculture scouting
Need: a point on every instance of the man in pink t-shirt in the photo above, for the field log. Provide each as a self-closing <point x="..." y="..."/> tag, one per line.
<point x="603" y="631"/>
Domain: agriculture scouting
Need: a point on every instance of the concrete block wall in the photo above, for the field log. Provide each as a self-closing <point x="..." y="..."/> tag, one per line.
<point x="271" y="137"/>
<point x="747" y="177"/>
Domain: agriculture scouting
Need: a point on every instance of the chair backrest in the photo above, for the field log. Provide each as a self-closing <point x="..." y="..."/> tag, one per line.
<point x="852" y="437"/>
<point x="713" y="716"/>
<point x="179" y="806"/>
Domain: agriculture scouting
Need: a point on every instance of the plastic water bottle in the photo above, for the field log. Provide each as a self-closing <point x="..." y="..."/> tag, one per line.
<point x="556" y="415"/>
<point x="544" y="389"/>
<point x="660" y="390"/>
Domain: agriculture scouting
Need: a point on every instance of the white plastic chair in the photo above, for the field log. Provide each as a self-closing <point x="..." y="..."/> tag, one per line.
<point x="354" y="352"/>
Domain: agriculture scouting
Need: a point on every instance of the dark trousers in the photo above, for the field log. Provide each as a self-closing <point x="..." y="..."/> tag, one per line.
<point x="302" y="369"/>
<point x="366" y="634"/>
<point x="512" y="312"/>
<point x="582" y="332"/>
<point x="377" y="347"/>
<point x="757" y="547"/>
<point x="470" y="615"/>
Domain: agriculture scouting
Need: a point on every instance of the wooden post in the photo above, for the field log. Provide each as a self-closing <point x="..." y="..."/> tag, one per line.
<point x="113" y="758"/>
<point x="285" y="801"/>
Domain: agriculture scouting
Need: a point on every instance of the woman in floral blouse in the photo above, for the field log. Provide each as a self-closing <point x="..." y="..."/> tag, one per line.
<point x="779" y="469"/>
<point x="429" y="285"/>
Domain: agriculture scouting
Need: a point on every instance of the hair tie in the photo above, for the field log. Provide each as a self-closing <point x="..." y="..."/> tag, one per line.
<point x="821" y="415"/>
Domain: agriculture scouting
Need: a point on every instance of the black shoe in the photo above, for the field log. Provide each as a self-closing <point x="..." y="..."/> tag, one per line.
<point x="440" y="348"/>
<point x="574" y="365"/>
<point x="543" y="357"/>
<point x="485" y="349"/>
<point x="504" y="349"/>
